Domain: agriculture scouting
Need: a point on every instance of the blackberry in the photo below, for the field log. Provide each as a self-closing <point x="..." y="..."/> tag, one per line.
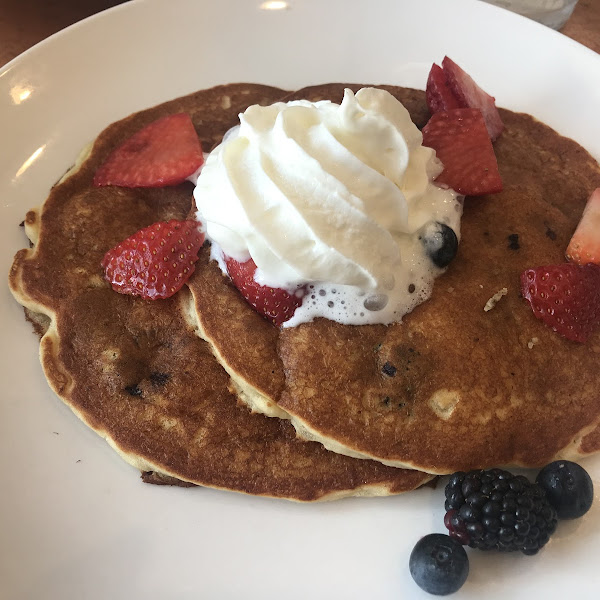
<point x="497" y="510"/>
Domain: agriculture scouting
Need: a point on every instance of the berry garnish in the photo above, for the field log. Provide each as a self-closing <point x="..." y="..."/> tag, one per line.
<point x="438" y="564"/>
<point x="462" y="143"/>
<point x="440" y="242"/>
<point x="497" y="510"/>
<point x="450" y="87"/>
<point x="566" y="297"/>
<point x="438" y="94"/>
<point x="275" y="304"/>
<point x="165" y="152"/>
<point x="584" y="246"/>
<point x="568" y="487"/>
<point x="156" y="261"/>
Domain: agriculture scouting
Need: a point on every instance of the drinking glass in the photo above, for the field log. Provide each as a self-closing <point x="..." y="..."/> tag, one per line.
<point x="553" y="13"/>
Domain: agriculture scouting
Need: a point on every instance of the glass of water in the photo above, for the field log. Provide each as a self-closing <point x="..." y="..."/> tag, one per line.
<point x="553" y="13"/>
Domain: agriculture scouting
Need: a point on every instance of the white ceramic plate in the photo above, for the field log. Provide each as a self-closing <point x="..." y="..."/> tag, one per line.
<point x="75" y="521"/>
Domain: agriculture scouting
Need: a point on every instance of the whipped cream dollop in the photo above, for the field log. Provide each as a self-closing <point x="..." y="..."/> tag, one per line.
<point x="332" y="198"/>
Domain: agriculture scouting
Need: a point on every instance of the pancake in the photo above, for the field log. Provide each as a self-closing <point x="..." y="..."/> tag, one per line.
<point x="136" y="371"/>
<point x="454" y="386"/>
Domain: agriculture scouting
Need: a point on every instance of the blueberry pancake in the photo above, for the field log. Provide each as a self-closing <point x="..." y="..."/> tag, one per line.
<point x="470" y="378"/>
<point x="135" y="370"/>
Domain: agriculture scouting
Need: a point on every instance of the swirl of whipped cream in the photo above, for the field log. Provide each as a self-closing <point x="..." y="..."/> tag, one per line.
<point x="321" y="192"/>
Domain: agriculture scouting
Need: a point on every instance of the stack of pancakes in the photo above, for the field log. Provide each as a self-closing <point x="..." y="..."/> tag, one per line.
<point x="175" y="386"/>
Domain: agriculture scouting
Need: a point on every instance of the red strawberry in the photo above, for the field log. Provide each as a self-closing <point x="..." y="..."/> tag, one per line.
<point x="566" y="297"/>
<point x="461" y="142"/>
<point x="165" y="152"/>
<point x="450" y="87"/>
<point x="438" y="94"/>
<point x="275" y="304"/>
<point x="470" y="94"/>
<point x="156" y="261"/>
<point x="584" y="246"/>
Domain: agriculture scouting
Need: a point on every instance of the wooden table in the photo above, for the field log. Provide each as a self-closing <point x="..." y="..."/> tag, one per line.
<point x="23" y="23"/>
<point x="584" y="24"/>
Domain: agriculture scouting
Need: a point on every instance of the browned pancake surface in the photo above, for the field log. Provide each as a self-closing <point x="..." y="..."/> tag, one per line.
<point x="471" y="388"/>
<point x="248" y="344"/>
<point x="135" y="370"/>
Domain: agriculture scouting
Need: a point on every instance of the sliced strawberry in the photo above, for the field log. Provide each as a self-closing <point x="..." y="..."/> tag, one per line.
<point x="275" y="304"/>
<point x="450" y="87"/>
<point x="438" y="94"/>
<point x="461" y="142"/>
<point x="584" y="246"/>
<point x="566" y="297"/>
<point x="156" y="261"/>
<point x="469" y="94"/>
<point x="165" y="152"/>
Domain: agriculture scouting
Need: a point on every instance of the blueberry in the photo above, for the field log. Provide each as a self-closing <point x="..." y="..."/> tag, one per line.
<point x="568" y="487"/>
<point x="439" y="564"/>
<point x="441" y="243"/>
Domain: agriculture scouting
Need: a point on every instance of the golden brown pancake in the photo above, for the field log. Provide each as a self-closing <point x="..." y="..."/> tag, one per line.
<point x="135" y="370"/>
<point x="247" y="347"/>
<point x="453" y="386"/>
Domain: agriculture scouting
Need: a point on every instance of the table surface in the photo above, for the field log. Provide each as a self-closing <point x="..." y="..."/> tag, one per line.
<point x="23" y="23"/>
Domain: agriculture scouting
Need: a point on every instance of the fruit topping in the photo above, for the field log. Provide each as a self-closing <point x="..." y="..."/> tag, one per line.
<point x="568" y="487"/>
<point x="461" y="142"/>
<point x="156" y="261"/>
<point x="566" y="297"/>
<point x="450" y="87"/>
<point x="438" y="564"/>
<point x="440" y="242"/>
<point x="497" y="510"/>
<point x="584" y="246"/>
<point x="275" y="304"/>
<point x="438" y="94"/>
<point x="165" y="152"/>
